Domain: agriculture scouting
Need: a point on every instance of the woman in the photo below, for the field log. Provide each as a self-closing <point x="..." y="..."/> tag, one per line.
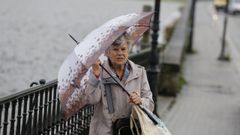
<point x="111" y="103"/>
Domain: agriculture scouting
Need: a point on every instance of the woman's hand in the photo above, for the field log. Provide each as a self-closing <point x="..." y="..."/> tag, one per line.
<point x="96" y="68"/>
<point x="135" y="98"/>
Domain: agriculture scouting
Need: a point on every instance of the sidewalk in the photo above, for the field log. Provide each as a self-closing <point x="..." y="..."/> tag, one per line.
<point x="209" y="104"/>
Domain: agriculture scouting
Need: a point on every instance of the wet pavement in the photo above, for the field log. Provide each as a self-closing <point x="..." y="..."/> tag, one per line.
<point x="209" y="104"/>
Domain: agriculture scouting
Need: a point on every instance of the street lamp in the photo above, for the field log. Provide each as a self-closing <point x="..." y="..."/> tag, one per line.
<point x="191" y="33"/>
<point x="222" y="53"/>
<point x="153" y="69"/>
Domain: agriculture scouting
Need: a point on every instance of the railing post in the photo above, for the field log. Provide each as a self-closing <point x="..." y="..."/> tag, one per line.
<point x="35" y="121"/>
<point x="80" y="122"/>
<point x="54" y="121"/>
<point x="5" y="123"/>
<point x="30" y="111"/>
<point x="24" y="116"/>
<point x="1" y="108"/>
<point x="76" y="124"/>
<point x="13" y="117"/>
<point x="49" y="110"/>
<point x="40" y="114"/>
<point x="68" y="126"/>
<point x="58" y="125"/>
<point x="63" y="127"/>
<point x="45" y="118"/>
<point x="19" y="116"/>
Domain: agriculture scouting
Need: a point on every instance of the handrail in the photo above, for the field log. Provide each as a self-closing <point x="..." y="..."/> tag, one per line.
<point x="28" y="91"/>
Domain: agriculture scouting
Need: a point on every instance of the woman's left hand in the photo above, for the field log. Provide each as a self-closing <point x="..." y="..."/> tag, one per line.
<point x="135" y="98"/>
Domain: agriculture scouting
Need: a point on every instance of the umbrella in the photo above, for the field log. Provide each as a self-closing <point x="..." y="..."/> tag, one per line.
<point x="73" y="73"/>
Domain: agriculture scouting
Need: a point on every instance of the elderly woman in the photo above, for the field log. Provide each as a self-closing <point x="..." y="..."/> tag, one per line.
<point x="111" y="104"/>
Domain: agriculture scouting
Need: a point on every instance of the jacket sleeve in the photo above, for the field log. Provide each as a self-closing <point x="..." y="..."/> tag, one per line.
<point x="146" y="93"/>
<point x="93" y="91"/>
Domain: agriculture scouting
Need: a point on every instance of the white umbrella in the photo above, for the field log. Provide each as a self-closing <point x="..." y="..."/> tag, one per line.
<point x="72" y="77"/>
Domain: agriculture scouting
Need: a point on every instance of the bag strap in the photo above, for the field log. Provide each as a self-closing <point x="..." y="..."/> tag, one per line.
<point x="133" y="123"/>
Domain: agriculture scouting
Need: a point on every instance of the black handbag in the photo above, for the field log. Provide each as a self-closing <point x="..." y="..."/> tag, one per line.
<point x="122" y="127"/>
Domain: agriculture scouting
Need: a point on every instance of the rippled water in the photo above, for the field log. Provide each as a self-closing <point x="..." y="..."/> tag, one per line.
<point x="34" y="34"/>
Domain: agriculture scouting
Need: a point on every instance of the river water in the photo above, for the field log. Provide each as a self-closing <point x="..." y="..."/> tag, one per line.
<point x="34" y="37"/>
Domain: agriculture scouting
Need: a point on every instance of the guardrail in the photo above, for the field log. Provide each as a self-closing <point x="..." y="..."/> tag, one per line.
<point x="36" y="111"/>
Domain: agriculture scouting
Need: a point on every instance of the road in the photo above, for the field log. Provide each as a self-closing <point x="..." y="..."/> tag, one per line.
<point x="34" y="34"/>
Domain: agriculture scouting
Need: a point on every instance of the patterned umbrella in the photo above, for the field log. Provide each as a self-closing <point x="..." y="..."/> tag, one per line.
<point x="73" y="74"/>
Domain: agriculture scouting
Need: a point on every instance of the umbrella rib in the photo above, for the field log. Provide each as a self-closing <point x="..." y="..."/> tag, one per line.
<point x="141" y="25"/>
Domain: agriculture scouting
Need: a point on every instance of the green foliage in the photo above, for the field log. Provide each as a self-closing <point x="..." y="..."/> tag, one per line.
<point x="171" y="81"/>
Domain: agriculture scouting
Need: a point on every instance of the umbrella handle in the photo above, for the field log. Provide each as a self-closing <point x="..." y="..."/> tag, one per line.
<point x="147" y="112"/>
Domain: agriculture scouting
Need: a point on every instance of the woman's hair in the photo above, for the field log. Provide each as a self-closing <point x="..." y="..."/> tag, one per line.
<point x="120" y="40"/>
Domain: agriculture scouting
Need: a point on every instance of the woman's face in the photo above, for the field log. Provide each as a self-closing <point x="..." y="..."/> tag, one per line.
<point x="118" y="55"/>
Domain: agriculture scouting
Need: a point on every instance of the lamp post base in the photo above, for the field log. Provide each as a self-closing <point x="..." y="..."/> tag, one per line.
<point x="223" y="58"/>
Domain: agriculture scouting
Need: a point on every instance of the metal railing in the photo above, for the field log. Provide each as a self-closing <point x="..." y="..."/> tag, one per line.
<point x="36" y="111"/>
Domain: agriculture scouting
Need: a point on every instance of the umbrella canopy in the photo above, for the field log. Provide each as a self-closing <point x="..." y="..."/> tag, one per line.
<point x="73" y="74"/>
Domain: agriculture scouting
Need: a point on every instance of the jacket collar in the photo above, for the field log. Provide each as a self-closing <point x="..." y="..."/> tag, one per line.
<point x="135" y="71"/>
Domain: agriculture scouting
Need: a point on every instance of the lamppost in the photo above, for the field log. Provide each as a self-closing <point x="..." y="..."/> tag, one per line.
<point x="153" y="69"/>
<point x="222" y="53"/>
<point x="191" y="32"/>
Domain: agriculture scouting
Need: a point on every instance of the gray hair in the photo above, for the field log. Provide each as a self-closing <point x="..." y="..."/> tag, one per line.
<point x="122" y="39"/>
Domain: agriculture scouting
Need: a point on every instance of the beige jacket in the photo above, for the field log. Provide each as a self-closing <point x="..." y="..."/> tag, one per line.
<point x="101" y="122"/>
